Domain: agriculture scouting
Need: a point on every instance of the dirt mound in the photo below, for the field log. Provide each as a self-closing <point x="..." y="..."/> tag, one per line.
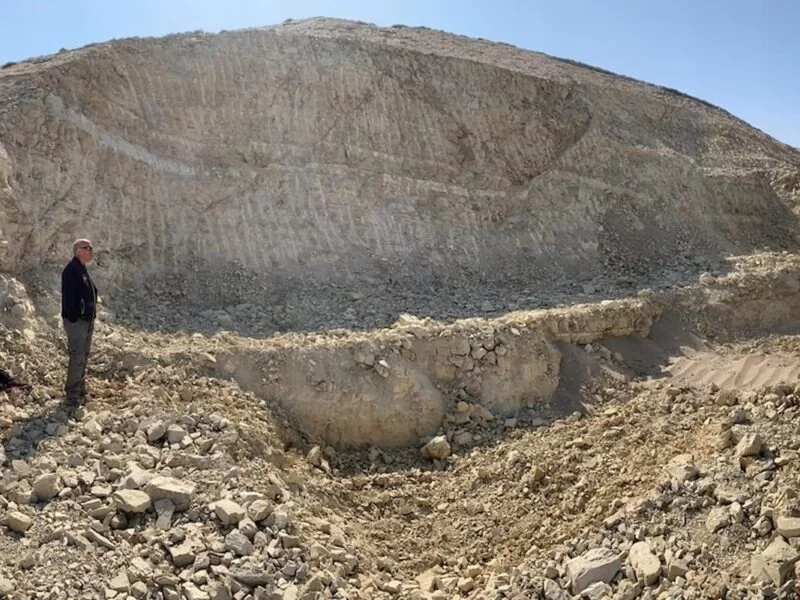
<point x="267" y="178"/>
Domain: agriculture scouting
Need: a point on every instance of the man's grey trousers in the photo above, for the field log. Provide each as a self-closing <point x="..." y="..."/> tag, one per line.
<point x="79" y="344"/>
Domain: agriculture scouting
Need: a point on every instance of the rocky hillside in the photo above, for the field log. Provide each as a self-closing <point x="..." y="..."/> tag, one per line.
<point x="320" y="367"/>
<point x="313" y="160"/>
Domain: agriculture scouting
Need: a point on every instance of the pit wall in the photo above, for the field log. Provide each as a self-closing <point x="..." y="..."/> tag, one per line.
<point x="394" y="387"/>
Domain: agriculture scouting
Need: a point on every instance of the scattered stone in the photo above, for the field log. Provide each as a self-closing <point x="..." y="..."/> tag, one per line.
<point x="596" y="591"/>
<point x="139" y="590"/>
<point x="228" y="511"/>
<point x="132" y="501"/>
<point x="46" y="487"/>
<point x="178" y="491"/>
<point x="182" y="555"/>
<point x="165" y="508"/>
<point x="729" y="495"/>
<point x="599" y="564"/>
<point x="676" y="568"/>
<point x="120" y="583"/>
<point x="718" y="518"/>
<point x="99" y="539"/>
<point x="788" y="527"/>
<point x="192" y="592"/>
<point x="763" y="526"/>
<point x="238" y="543"/>
<point x="645" y="563"/>
<point x="314" y="456"/>
<point x="18" y="521"/>
<point x="436" y="449"/>
<point x="175" y="434"/>
<point x="750" y="445"/>
<point x="156" y="431"/>
<point x="429" y="579"/>
<point x="252" y="576"/>
<point x="281" y="520"/>
<point x="219" y="591"/>
<point x="259" y="510"/>
<point x="553" y="591"/>
<point x="136" y="477"/>
<point x="248" y="528"/>
<point x="139" y="569"/>
<point x="681" y="468"/>
<point x="776" y="563"/>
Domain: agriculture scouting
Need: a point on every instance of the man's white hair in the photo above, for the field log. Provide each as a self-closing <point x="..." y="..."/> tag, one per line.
<point x="79" y="243"/>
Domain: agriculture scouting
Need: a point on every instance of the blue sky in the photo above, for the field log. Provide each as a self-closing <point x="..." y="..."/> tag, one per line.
<point x="743" y="55"/>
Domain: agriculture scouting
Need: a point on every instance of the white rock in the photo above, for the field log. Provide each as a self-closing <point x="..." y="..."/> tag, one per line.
<point x="596" y="591"/>
<point x="139" y="590"/>
<point x="553" y="591"/>
<point x="228" y="511"/>
<point x="132" y="501"/>
<point x="750" y="445"/>
<point x="192" y="592"/>
<point x="436" y="449"/>
<point x="182" y="555"/>
<point x="628" y="590"/>
<point x="165" y="508"/>
<point x="6" y="587"/>
<point x="93" y="429"/>
<point x="676" y="568"/>
<point x="718" y="518"/>
<point x="681" y="468"/>
<point x="156" y="431"/>
<point x="259" y="510"/>
<point x="645" y="563"/>
<point x="238" y="543"/>
<point x="120" y="583"/>
<point x="429" y="579"/>
<point x="599" y="564"/>
<point x="136" y="477"/>
<point x="179" y="491"/>
<point x="788" y="526"/>
<point x="46" y="486"/>
<point x="18" y="521"/>
<point x="282" y="520"/>
<point x="175" y="434"/>
<point x="219" y="591"/>
<point x="775" y="564"/>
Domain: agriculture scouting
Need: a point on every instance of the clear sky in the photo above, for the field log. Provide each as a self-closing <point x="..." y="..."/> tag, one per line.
<point x="742" y="55"/>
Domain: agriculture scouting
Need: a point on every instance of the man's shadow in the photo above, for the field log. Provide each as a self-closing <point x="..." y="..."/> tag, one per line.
<point x="22" y="439"/>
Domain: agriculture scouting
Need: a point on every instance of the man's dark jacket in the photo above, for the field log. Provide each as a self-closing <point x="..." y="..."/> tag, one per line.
<point x="78" y="292"/>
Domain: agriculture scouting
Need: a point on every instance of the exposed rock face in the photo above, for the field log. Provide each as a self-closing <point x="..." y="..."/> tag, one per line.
<point x="282" y="159"/>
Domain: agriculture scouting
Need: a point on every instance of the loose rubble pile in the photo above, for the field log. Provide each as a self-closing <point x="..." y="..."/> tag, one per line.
<point x="172" y="484"/>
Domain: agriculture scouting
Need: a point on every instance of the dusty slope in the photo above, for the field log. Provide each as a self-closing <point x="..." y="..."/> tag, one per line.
<point x="656" y="462"/>
<point x="293" y="167"/>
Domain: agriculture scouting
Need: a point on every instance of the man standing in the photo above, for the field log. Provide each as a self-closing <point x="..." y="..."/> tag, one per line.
<point x="78" y="309"/>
